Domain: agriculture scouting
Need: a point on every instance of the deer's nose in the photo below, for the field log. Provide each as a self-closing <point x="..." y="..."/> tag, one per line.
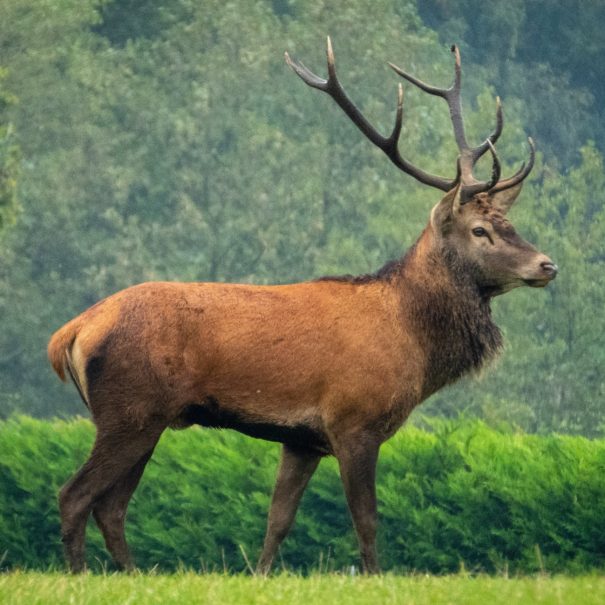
<point x="549" y="269"/>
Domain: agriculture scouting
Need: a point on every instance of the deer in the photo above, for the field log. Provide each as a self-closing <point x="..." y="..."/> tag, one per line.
<point x="327" y="367"/>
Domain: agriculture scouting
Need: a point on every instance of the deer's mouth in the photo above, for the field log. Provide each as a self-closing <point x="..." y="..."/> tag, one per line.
<point x="537" y="283"/>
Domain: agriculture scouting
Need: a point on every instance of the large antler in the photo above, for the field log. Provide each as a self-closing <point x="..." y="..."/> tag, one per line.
<point x="468" y="156"/>
<point x="388" y="144"/>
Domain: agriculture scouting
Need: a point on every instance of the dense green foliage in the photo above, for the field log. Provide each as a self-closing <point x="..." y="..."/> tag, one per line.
<point x="168" y="140"/>
<point x="185" y="587"/>
<point x="462" y="495"/>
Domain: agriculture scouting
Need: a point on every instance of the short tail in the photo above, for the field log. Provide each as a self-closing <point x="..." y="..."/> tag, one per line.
<point x="59" y="347"/>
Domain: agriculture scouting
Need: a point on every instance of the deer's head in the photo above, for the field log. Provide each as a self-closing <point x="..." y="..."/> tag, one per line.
<point x="486" y="242"/>
<point x="470" y="221"/>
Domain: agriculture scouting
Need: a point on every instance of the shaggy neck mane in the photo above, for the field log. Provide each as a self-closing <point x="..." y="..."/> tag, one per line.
<point x="450" y="315"/>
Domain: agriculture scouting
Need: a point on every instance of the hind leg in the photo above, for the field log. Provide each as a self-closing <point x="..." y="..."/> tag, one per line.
<point x="109" y="512"/>
<point x="113" y="457"/>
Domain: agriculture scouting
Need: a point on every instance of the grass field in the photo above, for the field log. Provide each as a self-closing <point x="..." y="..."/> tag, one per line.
<point x="24" y="588"/>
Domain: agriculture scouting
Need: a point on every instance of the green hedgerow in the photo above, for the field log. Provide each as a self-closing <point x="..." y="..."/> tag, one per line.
<point x="460" y="495"/>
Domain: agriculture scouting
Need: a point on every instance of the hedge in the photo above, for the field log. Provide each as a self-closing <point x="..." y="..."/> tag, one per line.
<point x="458" y="495"/>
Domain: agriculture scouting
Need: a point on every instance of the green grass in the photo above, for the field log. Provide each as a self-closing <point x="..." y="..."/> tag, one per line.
<point x="26" y="588"/>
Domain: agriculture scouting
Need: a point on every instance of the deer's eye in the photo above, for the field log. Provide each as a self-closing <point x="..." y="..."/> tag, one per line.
<point x="479" y="231"/>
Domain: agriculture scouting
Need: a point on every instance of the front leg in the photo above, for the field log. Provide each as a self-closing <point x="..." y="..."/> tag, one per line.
<point x="295" y="469"/>
<point x="357" y="457"/>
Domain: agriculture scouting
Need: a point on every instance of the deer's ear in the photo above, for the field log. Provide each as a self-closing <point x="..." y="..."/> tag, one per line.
<point x="442" y="215"/>
<point x="503" y="200"/>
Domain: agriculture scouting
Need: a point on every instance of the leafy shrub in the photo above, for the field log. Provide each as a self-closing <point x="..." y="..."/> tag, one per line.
<point x="459" y="494"/>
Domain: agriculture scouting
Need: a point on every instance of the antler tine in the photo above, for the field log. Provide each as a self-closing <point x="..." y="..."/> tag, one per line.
<point x="432" y="90"/>
<point x="521" y="174"/>
<point x="457" y="85"/>
<point x="306" y="75"/>
<point x="451" y="96"/>
<point x="387" y="144"/>
<point x="398" y="117"/>
<point x="468" y="191"/>
<point x="494" y="136"/>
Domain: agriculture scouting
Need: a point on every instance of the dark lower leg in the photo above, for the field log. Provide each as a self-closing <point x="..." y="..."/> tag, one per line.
<point x="357" y="461"/>
<point x="112" y="457"/>
<point x="73" y="524"/>
<point x="295" y="470"/>
<point x="109" y="512"/>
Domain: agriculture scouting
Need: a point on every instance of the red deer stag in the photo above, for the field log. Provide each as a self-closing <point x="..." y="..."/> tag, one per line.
<point x="326" y="367"/>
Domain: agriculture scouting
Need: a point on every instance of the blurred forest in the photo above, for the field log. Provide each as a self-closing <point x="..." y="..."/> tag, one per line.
<point x="167" y="139"/>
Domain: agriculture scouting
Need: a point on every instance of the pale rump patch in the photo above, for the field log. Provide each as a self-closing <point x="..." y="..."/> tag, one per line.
<point x="77" y="369"/>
